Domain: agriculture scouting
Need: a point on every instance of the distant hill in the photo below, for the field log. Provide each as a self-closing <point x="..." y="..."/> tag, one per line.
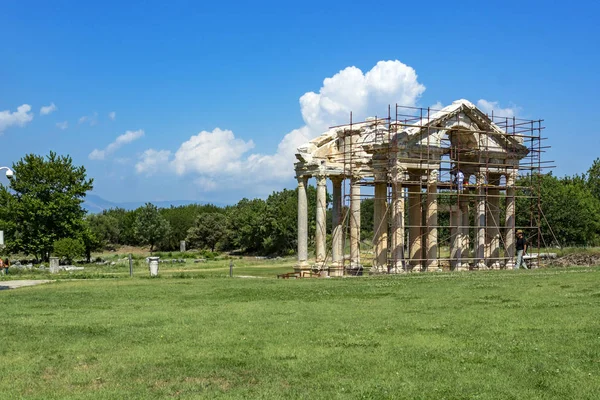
<point x="95" y="204"/>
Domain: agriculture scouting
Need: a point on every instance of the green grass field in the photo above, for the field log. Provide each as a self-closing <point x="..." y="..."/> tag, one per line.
<point x="478" y="335"/>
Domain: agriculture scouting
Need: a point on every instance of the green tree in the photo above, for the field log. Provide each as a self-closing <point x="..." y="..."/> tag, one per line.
<point x="43" y="204"/>
<point x="281" y="221"/>
<point x="105" y="228"/>
<point x="181" y="219"/>
<point x="593" y="178"/>
<point x="246" y="225"/>
<point x="208" y="230"/>
<point x="69" y="248"/>
<point x="150" y="227"/>
<point x="90" y="241"/>
<point x="569" y="211"/>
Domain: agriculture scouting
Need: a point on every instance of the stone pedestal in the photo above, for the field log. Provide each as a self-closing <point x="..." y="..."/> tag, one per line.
<point x="182" y="246"/>
<point x="54" y="265"/>
<point x="153" y="265"/>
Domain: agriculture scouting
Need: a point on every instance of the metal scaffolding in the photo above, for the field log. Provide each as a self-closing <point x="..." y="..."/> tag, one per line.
<point x="472" y="211"/>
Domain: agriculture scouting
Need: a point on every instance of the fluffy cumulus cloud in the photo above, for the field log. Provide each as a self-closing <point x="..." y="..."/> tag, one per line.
<point x="216" y="152"/>
<point x="219" y="156"/>
<point x="20" y="117"/>
<point x="493" y="106"/>
<point x="45" y="110"/>
<point x="351" y="90"/>
<point x="121" y="140"/>
<point x="152" y="161"/>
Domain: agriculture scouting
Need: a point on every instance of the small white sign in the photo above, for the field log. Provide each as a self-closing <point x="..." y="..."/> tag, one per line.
<point x="1" y="238"/>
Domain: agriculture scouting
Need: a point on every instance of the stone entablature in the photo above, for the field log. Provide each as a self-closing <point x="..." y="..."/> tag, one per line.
<point x="406" y="158"/>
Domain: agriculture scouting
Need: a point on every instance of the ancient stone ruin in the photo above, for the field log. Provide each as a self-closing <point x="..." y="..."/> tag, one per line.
<point x="420" y="165"/>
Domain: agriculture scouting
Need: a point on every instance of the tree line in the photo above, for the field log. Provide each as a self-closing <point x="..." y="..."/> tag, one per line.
<point x="41" y="214"/>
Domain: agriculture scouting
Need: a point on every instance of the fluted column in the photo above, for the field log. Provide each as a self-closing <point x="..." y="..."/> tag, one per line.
<point x="380" y="228"/>
<point x="493" y="228"/>
<point x="463" y="204"/>
<point x="302" y="225"/>
<point x="321" y="228"/>
<point x="455" y="237"/>
<point x="432" y="263"/>
<point x="414" y="230"/>
<point x="336" y="245"/>
<point x="355" y="223"/>
<point x="509" y="224"/>
<point x="398" y="228"/>
<point x="480" y="221"/>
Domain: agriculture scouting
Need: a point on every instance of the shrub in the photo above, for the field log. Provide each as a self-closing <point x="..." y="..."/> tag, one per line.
<point x="69" y="248"/>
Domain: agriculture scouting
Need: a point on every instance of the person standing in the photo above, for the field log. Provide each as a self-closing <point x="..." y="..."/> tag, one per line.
<point x="521" y="250"/>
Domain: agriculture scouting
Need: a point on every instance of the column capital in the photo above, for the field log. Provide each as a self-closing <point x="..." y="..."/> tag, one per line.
<point x="398" y="174"/>
<point x="511" y="177"/>
<point x="355" y="176"/>
<point x="336" y="178"/>
<point x="321" y="179"/>
<point x="432" y="177"/>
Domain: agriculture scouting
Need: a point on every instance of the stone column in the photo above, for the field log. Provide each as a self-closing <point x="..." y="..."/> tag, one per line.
<point x="355" y="223"/>
<point x="380" y="228"/>
<point x="493" y="229"/>
<point x="337" y="243"/>
<point x="414" y="230"/>
<point x="480" y="221"/>
<point x="455" y="237"/>
<point x="321" y="228"/>
<point x="432" y="263"/>
<point x="302" y="225"/>
<point x="398" y="228"/>
<point x="509" y="243"/>
<point x="463" y="204"/>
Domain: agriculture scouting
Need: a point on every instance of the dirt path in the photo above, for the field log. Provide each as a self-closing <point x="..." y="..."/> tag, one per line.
<point x="17" y="284"/>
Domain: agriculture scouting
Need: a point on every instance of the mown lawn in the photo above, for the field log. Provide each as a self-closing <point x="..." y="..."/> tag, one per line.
<point x="481" y="335"/>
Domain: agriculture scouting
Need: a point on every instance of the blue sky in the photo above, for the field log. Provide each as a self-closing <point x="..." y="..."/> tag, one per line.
<point x="187" y="79"/>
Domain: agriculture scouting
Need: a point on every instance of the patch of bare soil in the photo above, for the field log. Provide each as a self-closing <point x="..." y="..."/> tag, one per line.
<point x="577" y="259"/>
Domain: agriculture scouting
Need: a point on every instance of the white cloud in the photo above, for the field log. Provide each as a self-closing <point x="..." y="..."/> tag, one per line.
<point x="388" y="82"/>
<point x="437" y="106"/>
<point x="45" y="110"/>
<point x="219" y="156"/>
<point x="91" y="119"/>
<point x="112" y="115"/>
<point x="121" y="140"/>
<point x="19" y="118"/>
<point x="151" y="161"/>
<point x="62" y="125"/>
<point x="218" y="151"/>
<point x="489" y="106"/>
